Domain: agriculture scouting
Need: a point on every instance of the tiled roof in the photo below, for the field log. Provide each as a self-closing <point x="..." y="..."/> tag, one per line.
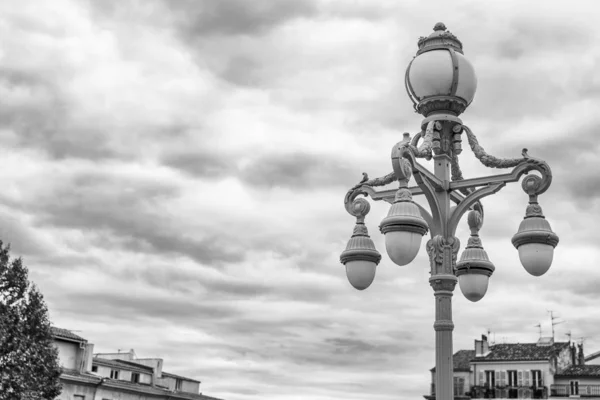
<point x="592" y="356"/>
<point x="169" y="375"/>
<point x="128" y="365"/>
<point x="70" y="375"/>
<point x="461" y="360"/>
<point x="66" y="334"/>
<point x="522" y="352"/>
<point x="580" y="370"/>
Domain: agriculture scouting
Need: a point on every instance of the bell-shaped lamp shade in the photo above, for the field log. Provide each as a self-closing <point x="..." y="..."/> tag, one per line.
<point x="403" y="228"/>
<point x="536" y="257"/>
<point x="360" y="273"/>
<point x="473" y="286"/>
<point x="474" y="267"/>
<point x="402" y="246"/>
<point x="360" y="258"/>
<point x="535" y="242"/>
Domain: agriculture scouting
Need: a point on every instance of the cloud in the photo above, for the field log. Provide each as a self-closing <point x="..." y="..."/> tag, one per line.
<point x="173" y="174"/>
<point x="236" y="17"/>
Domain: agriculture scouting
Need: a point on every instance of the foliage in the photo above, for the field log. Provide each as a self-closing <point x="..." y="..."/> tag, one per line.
<point x="29" y="367"/>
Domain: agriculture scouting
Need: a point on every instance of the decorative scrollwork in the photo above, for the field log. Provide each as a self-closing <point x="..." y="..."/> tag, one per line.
<point x="534" y="185"/>
<point x="531" y="184"/>
<point x="382" y="181"/>
<point x="358" y="208"/>
<point x="487" y="159"/>
<point x="475" y="221"/>
<point x="425" y="149"/>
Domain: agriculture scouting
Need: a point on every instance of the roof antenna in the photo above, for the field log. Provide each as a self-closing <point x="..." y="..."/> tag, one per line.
<point x="539" y="325"/>
<point x="552" y="318"/>
<point x="568" y="334"/>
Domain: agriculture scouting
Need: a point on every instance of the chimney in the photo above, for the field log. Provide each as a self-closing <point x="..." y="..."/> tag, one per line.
<point x="88" y="356"/>
<point x="580" y="358"/>
<point x="573" y="351"/>
<point x="481" y="347"/>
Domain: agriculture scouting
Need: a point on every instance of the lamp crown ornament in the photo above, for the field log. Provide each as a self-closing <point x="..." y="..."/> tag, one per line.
<point x="441" y="38"/>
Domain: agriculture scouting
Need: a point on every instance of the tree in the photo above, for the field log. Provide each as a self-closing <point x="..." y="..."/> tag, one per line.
<point x="29" y="367"/>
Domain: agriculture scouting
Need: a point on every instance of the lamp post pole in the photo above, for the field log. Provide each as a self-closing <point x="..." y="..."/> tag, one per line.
<point x="441" y="95"/>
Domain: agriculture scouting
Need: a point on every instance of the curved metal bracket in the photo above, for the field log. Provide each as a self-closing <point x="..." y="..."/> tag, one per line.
<point x="471" y="200"/>
<point x="429" y="184"/>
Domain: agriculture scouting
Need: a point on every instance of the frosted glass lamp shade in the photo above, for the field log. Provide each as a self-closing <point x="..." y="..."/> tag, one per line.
<point x="402" y="246"/>
<point x="536" y="257"/>
<point x="473" y="286"/>
<point x="360" y="273"/>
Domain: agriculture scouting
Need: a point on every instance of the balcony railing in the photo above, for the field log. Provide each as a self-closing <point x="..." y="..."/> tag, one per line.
<point x="579" y="390"/>
<point x="509" y="392"/>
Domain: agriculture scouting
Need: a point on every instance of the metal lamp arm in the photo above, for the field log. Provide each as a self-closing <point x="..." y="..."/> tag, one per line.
<point x="525" y="166"/>
<point x="533" y="185"/>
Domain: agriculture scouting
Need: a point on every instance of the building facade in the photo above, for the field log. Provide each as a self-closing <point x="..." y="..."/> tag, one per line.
<point x="116" y="376"/>
<point x="541" y="370"/>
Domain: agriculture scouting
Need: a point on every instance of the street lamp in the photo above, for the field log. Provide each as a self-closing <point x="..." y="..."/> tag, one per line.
<point x="441" y="82"/>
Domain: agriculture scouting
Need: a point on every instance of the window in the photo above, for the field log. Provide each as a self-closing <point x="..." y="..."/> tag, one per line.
<point x="536" y="376"/>
<point x="501" y="381"/>
<point x="135" y="377"/>
<point x="114" y="374"/>
<point x="490" y="379"/>
<point x="459" y="386"/>
<point x="94" y="368"/>
<point x="178" y="384"/>
<point x="574" y="388"/>
<point x="512" y="378"/>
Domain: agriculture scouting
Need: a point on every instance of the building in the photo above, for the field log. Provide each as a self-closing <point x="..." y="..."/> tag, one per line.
<point x="545" y="369"/>
<point x="116" y="376"/>
<point x="462" y="374"/>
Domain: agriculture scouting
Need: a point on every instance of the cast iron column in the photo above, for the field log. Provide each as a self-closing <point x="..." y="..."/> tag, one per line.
<point x="442" y="249"/>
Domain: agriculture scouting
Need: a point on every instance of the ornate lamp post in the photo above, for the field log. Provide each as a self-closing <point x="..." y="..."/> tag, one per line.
<point x="441" y="83"/>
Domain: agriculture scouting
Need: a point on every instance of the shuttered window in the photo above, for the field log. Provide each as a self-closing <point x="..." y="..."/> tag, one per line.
<point x="527" y="378"/>
<point x="502" y="381"/>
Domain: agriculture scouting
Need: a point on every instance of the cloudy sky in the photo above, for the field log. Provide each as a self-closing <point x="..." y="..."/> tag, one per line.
<point x="173" y="174"/>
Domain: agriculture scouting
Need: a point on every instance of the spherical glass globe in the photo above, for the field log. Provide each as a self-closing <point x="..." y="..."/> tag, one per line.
<point x="536" y="257"/>
<point x="432" y="74"/>
<point x="473" y="286"/>
<point x="402" y="246"/>
<point x="360" y="273"/>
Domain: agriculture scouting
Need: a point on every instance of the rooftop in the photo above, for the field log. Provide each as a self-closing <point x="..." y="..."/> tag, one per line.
<point x="129" y="365"/>
<point x="461" y="360"/>
<point x="169" y="375"/>
<point x="76" y="376"/>
<point x="66" y="334"/>
<point x="522" y="352"/>
<point x="580" y="371"/>
<point x="592" y="356"/>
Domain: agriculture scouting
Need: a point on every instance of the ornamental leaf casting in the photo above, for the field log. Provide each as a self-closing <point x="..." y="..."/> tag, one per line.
<point x="487" y="159"/>
<point x="442" y="252"/>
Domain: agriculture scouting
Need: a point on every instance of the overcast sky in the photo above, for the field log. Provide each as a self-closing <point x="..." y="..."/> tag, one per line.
<point x="173" y="174"/>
